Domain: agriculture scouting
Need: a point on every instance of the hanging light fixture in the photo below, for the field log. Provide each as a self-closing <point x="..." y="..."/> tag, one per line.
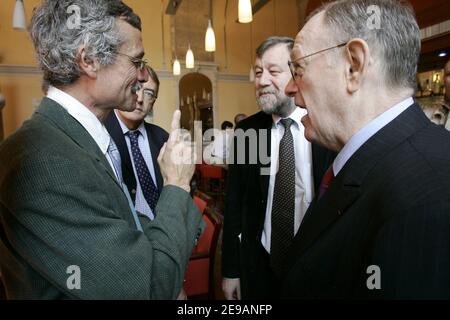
<point x="190" y="64"/>
<point x="176" y="67"/>
<point x="210" y="38"/>
<point x="19" y="21"/>
<point x="245" y="11"/>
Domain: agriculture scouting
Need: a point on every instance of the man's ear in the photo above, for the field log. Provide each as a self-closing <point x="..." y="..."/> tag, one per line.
<point x="87" y="65"/>
<point x="357" y="58"/>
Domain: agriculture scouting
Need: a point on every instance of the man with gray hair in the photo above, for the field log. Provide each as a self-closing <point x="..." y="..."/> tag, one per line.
<point x="263" y="211"/>
<point x="68" y="227"/>
<point x="380" y="226"/>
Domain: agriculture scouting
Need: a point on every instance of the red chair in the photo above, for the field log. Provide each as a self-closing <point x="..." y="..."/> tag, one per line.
<point x="209" y="173"/>
<point x="199" y="277"/>
<point x="200" y="203"/>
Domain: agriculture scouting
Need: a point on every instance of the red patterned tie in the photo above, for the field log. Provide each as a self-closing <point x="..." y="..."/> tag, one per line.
<point x="326" y="181"/>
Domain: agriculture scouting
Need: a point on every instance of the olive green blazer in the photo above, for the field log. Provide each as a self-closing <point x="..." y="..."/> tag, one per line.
<point x="62" y="211"/>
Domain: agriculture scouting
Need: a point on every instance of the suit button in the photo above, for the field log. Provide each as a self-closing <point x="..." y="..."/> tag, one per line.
<point x="133" y="191"/>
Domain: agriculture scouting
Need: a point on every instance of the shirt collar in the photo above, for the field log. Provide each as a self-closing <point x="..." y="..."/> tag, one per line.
<point x="367" y="132"/>
<point x="296" y="116"/>
<point x="125" y="129"/>
<point x="83" y="115"/>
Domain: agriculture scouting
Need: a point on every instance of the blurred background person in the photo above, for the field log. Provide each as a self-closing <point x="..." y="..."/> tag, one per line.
<point x="238" y="118"/>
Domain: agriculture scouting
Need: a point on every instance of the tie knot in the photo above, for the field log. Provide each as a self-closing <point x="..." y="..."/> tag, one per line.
<point x="134" y="135"/>
<point x="287" y="122"/>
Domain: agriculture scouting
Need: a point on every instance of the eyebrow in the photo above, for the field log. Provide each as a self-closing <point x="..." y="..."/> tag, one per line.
<point x="279" y="66"/>
<point x="140" y="55"/>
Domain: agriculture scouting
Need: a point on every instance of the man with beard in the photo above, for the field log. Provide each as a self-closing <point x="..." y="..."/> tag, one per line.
<point x="272" y="179"/>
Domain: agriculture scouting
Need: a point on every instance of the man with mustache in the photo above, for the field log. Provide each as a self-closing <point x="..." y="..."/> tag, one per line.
<point x="266" y="201"/>
<point x="139" y="144"/>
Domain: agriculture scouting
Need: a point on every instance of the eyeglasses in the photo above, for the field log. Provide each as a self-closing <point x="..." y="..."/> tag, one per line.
<point x="293" y="64"/>
<point x="140" y="64"/>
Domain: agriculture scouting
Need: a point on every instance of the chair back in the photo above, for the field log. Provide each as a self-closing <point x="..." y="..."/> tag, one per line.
<point x="200" y="203"/>
<point x="199" y="277"/>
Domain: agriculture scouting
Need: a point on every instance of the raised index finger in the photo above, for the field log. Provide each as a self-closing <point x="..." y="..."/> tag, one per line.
<point x="175" y="126"/>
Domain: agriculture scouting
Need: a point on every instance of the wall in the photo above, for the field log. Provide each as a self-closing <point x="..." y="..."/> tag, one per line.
<point x="21" y="86"/>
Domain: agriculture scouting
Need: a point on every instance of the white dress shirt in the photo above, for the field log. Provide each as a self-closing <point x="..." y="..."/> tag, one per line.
<point x="86" y="118"/>
<point x="141" y="204"/>
<point x="367" y="132"/>
<point x="304" y="190"/>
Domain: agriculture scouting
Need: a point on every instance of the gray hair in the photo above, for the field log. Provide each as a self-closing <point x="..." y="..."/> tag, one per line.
<point x="396" y="41"/>
<point x="272" y="42"/>
<point x="56" y="41"/>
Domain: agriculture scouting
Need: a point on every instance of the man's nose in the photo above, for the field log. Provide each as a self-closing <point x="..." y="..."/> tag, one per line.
<point x="265" y="79"/>
<point x="291" y="88"/>
<point x="142" y="75"/>
<point x="140" y="96"/>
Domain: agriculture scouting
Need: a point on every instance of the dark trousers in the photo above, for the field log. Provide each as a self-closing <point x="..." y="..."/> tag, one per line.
<point x="264" y="283"/>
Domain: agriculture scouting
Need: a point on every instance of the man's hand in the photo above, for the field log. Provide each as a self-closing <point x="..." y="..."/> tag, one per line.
<point x="182" y="295"/>
<point x="231" y="288"/>
<point x="176" y="159"/>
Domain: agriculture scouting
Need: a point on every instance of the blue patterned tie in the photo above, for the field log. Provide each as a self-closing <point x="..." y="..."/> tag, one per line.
<point x="149" y="189"/>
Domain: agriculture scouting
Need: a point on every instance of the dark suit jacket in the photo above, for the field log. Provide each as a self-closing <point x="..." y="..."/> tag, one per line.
<point x="157" y="136"/>
<point x="245" y="207"/>
<point x="61" y="206"/>
<point x="388" y="207"/>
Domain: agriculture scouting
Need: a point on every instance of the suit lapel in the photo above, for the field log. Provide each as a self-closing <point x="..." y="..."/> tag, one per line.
<point x="346" y="187"/>
<point x="116" y="133"/>
<point x="264" y="140"/>
<point x="154" y="149"/>
<point x="321" y="214"/>
<point x="75" y="131"/>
